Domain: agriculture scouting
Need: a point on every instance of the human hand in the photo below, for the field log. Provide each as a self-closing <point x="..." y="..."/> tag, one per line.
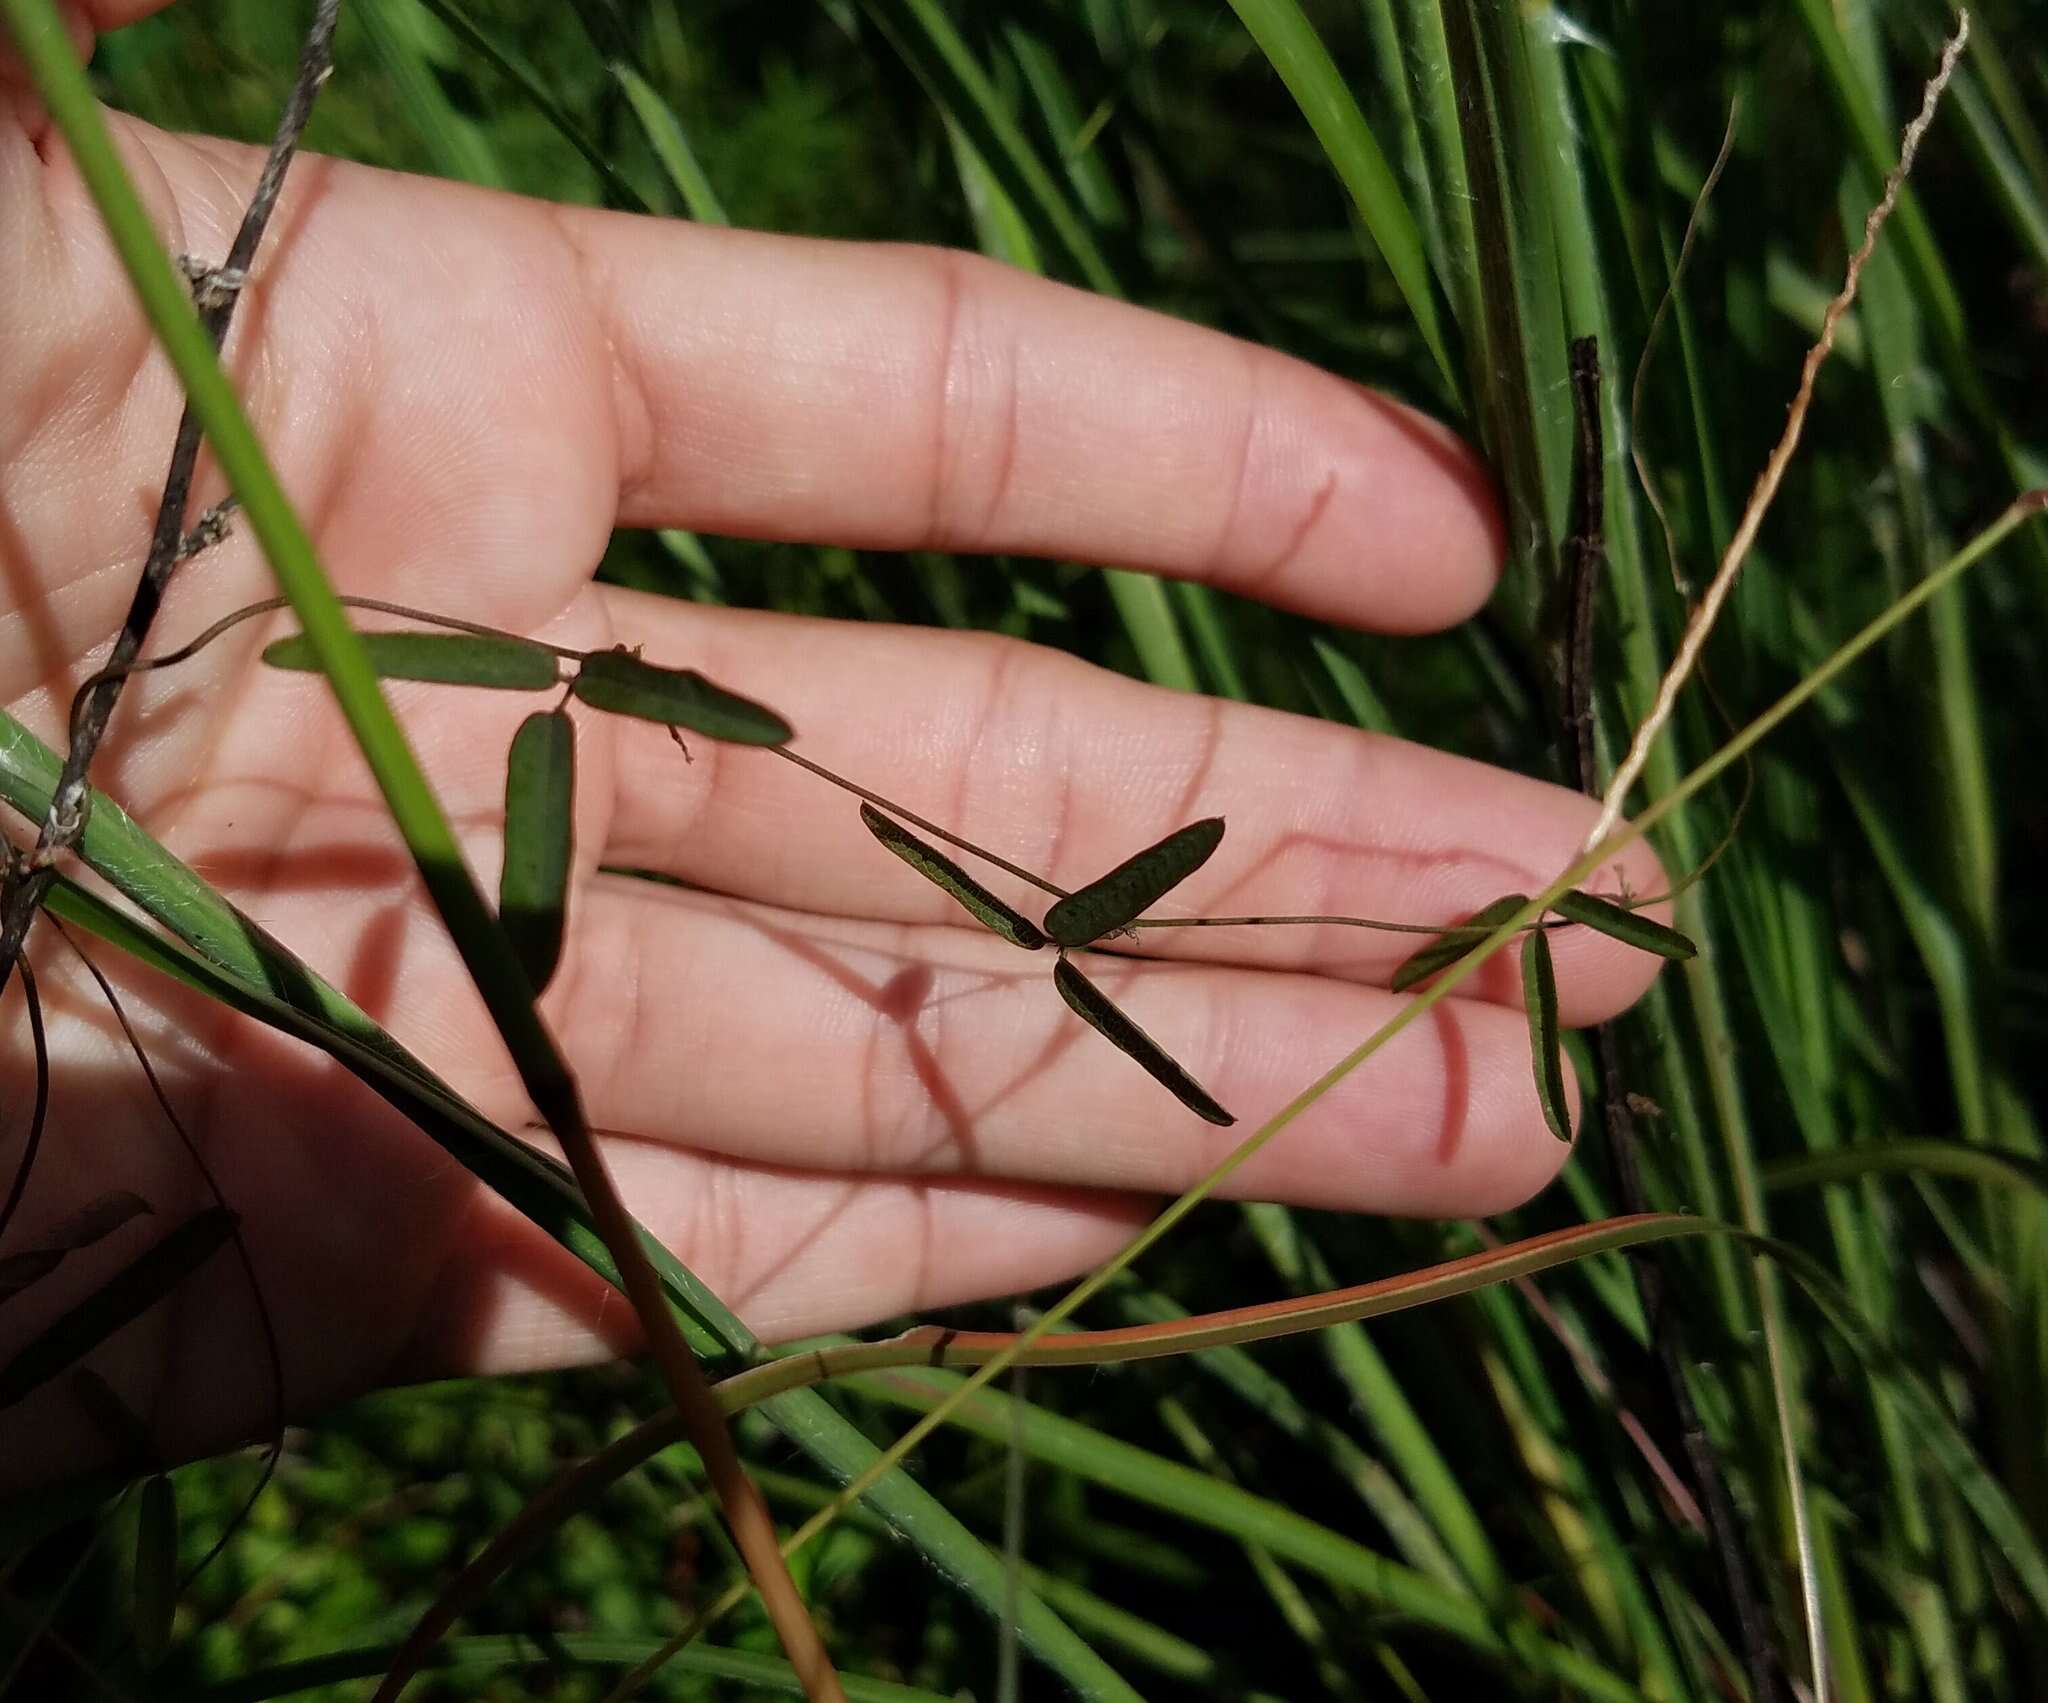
<point x="848" y="1102"/>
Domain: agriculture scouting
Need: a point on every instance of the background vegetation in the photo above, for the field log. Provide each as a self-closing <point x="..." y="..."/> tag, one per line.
<point x="1426" y="1508"/>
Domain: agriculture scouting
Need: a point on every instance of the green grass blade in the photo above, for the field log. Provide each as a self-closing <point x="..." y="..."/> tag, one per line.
<point x="1997" y="143"/>
<point x="510" y="65"/>
<point x="1238" y="1371"/>
<point x="1137" y="1473"/>
<point x="665" y="135"/>
<point x="1934" y="284"/>
<point x="944" y="873"/>
<point x="1290" y="1600"/>
<point x="940" y="58"/>
<point x="1397" y="98"/>
<point x="156" y="1568"/>
<point x="405" y="47"/>
<point x="1401" y="1433"/>
<point x="1944" y="1445"/>
<point x="1992" y="1167"/>
<point x="1000" y="228"/>
<point x="540" y="792"/>
<point x="1516" y="351"/>
<point x="1023" y="185"/>
<point x="446" y="659"/>
<point x="1296" y="52"/>
<point x="1059" y="110"/>
<point x="512" y="1657"/>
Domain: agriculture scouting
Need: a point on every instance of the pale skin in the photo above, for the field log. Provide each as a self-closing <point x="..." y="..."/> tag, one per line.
<point x="845" y="1101"/>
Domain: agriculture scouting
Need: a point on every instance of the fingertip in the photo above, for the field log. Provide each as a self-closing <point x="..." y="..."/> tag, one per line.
<point x="1441" y="538"/>
<point x="1356" y="508"/>
<point x="1523" y="1155"/>
<point x="1605" y="976"/>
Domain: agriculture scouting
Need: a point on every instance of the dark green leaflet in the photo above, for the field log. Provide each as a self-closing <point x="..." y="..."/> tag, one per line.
<point x="125" y="1296"/>
<point x="1093" y="1007"/>
<point x="1539" y="994"/>
<point x="19" y="1271"/>
<point x="111" y="1416"/>
<point x="618" y="681"/>
<point x="533" y="891"/>
<point x="942" y="871"/>
<point x="156" y="1569"/>
<point x="1454" y="943"/>
<point x="1105" y="905"/>
<point x="446" y="659"/>
<point x="1627" y="926"/>
<point x="101" y="1216"/>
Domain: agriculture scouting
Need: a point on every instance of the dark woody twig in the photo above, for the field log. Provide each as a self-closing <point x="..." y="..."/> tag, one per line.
<point x="215" y="290"/>
<point x="1585" y="549"/>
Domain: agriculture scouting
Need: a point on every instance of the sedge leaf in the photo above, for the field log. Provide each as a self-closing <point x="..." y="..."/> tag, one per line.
<point x="444" y="659"/>
<point x="533" y="890"/>
<point x="942" y="871"/>
<point x="1108" y="903"/>
<point x="618" y="681"/>
<point x="1539" y="994"/>
<point x="1629" y="927"/>
<point x="1094" y="1008"/>
<point x="125" y="1296"/>
<point x="156" y="1569"/>
<point x="1447" y="948"/>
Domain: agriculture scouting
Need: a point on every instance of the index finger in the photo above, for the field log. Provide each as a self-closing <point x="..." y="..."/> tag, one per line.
<point x="892" y="397"/>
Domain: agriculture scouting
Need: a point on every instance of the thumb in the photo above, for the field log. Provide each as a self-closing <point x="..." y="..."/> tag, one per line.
<point x="85" y="21"/>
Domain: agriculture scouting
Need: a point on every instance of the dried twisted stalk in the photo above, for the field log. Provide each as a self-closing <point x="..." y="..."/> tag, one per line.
<point x="1701" y="626"/>
<point x="216" y="290"/>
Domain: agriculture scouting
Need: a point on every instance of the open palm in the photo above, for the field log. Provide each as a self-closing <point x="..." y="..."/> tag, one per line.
<point x="844" y="1100"/>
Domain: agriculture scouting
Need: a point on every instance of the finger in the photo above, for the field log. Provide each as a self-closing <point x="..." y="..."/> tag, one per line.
<point x="1067" y="770"/>
<point x="784" y="1039"/>
<point x="899" y="398"/>
<point x="792" y="1252"/>
<point x="864" y="394"/>
<point x="379" y="1258"/>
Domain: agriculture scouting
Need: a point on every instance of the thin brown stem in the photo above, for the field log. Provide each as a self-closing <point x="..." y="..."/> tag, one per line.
<point x="1664" y="306"/>
<point x="216" y="291"/>
<point x="39" y="1115"/>
<point x="1584" y="552"/>
<point x="917" y="821"/>
<point x="1768" y="481"/>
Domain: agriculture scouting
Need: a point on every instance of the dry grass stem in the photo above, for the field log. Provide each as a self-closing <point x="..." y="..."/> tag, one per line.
<point x="1708" y="613"/>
